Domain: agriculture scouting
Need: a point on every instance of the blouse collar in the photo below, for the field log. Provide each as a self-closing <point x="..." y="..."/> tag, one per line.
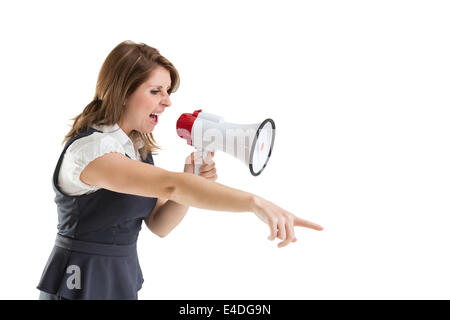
<point x="116" y="131"/>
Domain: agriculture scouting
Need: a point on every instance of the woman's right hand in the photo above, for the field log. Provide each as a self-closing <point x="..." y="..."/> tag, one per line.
<point x="280" y="221"/>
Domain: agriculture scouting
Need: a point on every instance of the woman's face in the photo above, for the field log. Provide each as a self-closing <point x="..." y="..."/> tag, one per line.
<point x="150" y="97"/>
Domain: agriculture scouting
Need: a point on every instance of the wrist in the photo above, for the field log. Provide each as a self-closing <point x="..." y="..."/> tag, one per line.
<point x="255" y="203"/>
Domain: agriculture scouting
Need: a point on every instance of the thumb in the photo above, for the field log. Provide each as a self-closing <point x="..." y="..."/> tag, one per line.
<point x="189" y="163"/>
<point x="189" y="159"/>
<point x="193" y="158"/>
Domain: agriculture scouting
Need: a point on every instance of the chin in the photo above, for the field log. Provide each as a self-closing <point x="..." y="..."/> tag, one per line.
<point x="147" y="131"/>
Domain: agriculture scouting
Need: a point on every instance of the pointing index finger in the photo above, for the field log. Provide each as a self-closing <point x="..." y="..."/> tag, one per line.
<point x="307" y="224"/>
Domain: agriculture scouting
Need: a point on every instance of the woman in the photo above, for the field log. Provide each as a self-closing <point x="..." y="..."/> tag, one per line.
<point x="106" y="184"/>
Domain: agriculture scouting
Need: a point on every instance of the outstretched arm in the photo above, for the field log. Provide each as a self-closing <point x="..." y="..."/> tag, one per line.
<point x="114" y="171"/>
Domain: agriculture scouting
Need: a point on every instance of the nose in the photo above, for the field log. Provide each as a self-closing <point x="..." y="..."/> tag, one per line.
<point x="166" y="101"/>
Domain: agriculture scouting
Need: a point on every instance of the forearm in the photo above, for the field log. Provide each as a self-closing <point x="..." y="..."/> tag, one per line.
<point x="192" y="190"/>
<point x="167" y="217"/>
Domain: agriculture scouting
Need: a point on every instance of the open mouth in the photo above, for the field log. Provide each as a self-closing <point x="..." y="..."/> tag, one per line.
<point x="154" y="117"/>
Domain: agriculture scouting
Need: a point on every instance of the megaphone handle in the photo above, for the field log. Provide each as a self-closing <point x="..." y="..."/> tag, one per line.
<point x="202" y="154"/>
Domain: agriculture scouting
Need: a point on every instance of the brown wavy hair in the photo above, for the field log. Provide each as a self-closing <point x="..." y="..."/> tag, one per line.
<point x="126" y="67"/>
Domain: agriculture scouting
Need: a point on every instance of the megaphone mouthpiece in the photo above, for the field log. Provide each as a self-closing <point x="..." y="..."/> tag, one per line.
<point x="185" y="123"/>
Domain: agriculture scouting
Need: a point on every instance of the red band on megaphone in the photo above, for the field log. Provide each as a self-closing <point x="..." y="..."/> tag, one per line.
<point x="184" y="125"/>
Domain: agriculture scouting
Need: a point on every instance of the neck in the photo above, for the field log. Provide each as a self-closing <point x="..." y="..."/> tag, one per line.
<point x="124" y="128"/>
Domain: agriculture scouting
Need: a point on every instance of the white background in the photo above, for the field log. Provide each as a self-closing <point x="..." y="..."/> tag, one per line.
<point x="359" y="92"/>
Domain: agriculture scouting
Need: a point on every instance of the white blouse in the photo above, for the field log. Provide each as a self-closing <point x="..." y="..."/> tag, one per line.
<point x="84" y="150"/>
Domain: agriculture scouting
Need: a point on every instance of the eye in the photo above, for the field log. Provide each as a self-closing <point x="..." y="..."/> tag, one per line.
<point x="154" y="92"/>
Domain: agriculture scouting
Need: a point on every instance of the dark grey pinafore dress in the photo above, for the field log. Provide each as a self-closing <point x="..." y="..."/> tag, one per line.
<point x="95" y="254"/>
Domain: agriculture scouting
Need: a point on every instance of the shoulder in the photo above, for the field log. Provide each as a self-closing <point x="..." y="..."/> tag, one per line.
<point x="79" y="154"/>
<point x="94" y="145"/>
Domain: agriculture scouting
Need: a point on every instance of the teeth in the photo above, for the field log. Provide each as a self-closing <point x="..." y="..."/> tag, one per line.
<point x="155" y="114"/>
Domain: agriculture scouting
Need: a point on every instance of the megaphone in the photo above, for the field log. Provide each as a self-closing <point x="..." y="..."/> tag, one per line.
<point x="250" y="143"/>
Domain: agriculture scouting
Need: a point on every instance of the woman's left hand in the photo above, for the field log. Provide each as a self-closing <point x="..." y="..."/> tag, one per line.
<point x="207" y="169"/>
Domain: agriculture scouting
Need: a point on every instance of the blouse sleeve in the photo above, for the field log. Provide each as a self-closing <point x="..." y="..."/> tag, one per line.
<point x="79" y="154"/>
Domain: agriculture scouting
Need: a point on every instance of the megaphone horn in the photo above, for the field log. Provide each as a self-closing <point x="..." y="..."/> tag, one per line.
<point x="250" y="143"/>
